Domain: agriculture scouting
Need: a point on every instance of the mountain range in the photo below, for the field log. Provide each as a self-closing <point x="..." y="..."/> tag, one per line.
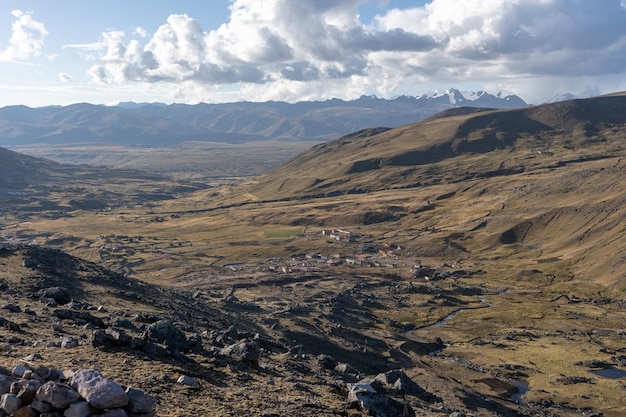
<point x="157" y="124"/>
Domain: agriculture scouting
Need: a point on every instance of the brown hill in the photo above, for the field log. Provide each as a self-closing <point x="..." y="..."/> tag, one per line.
<point x="364" y="161"/>
<point x="30" y="185"/>
<point x="542" y="182"/>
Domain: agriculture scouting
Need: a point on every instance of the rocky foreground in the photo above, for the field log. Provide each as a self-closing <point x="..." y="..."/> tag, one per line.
<point x="78" y="340"/>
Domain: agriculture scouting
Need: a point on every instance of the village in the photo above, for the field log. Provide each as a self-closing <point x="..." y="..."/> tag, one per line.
<point x="342" y="250"/>
<point x="367" y="254"/>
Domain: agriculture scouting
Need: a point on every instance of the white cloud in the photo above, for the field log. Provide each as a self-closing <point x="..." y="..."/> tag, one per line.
<point x="297" y="49"/>
<point x="27" y="38"/>
<point x="94" y="46"/>
<point x="141" y="32"/>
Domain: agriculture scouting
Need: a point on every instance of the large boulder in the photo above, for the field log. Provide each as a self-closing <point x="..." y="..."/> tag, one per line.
<point x="243" y="351"/>
<point x="165" y="332"/>
<point x="140" y="403"/>
<point x="364" y="397"/>
<point x="397" y="383"/>
<point x="58" y="294"/>
<point x="99" y="391"/>
<point x="57" y="394"/>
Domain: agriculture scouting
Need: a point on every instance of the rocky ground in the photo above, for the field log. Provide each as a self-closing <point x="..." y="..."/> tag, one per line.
<point x="305" y="345"/>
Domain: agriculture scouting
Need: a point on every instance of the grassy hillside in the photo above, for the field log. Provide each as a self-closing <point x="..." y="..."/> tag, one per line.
<point x="454" y="148"/>
<point x="538" y="183"/>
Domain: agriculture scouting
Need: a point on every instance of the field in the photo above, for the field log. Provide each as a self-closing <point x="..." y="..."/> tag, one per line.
<point x="189" y="160"/>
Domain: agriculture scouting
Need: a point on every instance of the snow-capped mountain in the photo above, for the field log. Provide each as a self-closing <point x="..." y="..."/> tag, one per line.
<point x="457" y="98"/>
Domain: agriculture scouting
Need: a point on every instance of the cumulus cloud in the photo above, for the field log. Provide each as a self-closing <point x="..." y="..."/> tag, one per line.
<point x="141" y="32"/>
<point x="291" y="47"/>
<point x="27" y="38"/>
<point x="263" y="42"/>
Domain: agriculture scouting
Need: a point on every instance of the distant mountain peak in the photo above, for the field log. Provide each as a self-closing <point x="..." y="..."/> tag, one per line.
<point x="562" y="97"/>
<point x="458" y="98"/>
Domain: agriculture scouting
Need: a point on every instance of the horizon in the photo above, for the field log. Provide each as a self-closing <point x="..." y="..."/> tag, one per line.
<point x="241" y="50"/>
<point x="433" y="93"/>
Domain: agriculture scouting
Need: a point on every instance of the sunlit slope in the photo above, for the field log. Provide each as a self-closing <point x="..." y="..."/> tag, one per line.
<point x="453" y="148"/>
<point x="534" y="188"/>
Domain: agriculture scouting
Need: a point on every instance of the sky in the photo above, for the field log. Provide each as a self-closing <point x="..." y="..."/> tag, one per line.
<point x="191" y="51"/>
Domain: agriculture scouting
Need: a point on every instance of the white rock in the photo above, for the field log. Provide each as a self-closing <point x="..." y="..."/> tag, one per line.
<point x="188" y="380"/>
<point x="100" y="392"/>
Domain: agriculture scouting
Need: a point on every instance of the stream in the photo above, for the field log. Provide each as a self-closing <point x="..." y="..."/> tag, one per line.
<point x="486" y="304"/>
<point x="522" y="386"/>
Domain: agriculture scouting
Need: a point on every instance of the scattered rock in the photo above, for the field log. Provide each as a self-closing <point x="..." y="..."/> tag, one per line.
<point x="140" y="403"/>
<point x="29" y="311"/>
<point x="571" y="380"/>
<point x="244" y="351"/>
<point x="347" y="370"/>
<point x="397" y="382"/>
<point x="327" y="362"/>
<point x="69" y="342"/>
<point x="367" y="399"/>
<point x="48" y="301"/>
<point x="188" y="380"/>
<point x="58" y="294"/>
<point x="13" y="308"/>
<point x="594" y="364"/>
<point x="124" y="323"/>
<point x="80" y="317"/>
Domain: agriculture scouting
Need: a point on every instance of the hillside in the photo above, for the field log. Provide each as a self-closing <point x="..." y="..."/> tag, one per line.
<point x="541" y="182"/>
<point x="41" y="187"/>
<point x="404" y="157"/>
<point x="158" y="125"/>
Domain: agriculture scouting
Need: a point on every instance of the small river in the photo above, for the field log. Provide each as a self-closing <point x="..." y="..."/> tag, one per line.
<point x="486" y="304"/>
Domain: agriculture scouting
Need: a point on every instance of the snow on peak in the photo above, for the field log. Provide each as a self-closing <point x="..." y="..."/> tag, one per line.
<point x="456" y="98"/>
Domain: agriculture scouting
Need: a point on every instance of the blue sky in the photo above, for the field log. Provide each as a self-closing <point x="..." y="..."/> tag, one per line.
<point x="191" y="51"/>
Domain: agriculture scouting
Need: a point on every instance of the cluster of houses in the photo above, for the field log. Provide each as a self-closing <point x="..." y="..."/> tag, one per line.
<point x="113" y="246"/>
<point x="366" y="254"/>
